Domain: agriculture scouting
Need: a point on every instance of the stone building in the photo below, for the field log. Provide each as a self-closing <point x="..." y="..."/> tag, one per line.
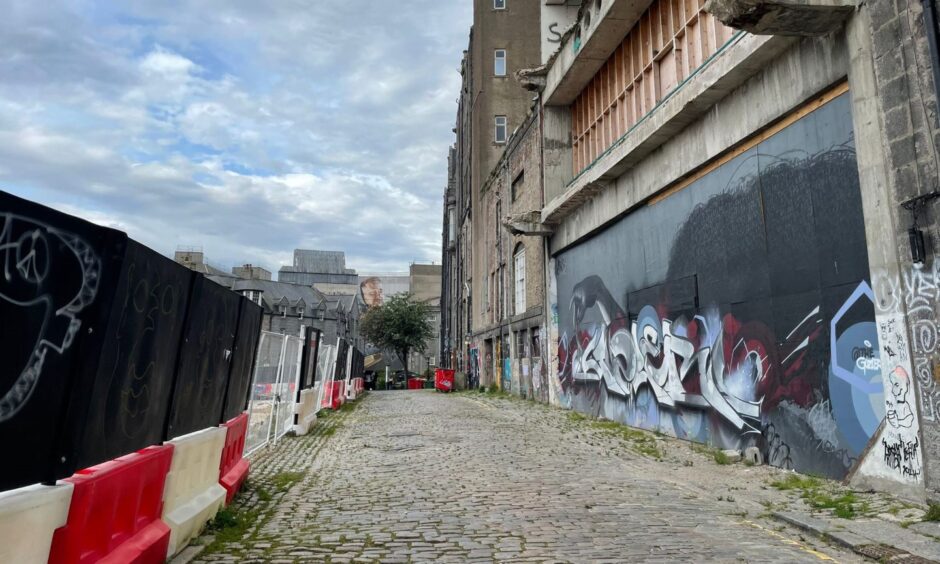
<point x="510" y="336"/>
<point x="251" y="272"/>
<point x="505" y="38"/>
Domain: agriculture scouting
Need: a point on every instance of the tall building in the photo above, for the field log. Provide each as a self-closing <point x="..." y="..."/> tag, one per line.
<point x="506" y="37"/>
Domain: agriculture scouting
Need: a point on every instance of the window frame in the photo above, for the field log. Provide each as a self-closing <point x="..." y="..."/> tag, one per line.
<point x="496" y="61"/>
<point x="499" y="4"/>
<point x="518" y="259"/>
<point x="496" y="128"/>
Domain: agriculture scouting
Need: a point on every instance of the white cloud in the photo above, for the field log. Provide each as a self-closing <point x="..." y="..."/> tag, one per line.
<point x="248" y="128"/>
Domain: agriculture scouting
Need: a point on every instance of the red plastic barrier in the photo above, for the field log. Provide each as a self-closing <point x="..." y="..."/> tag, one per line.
<point x="443" y="380"/>
<point x="415" y="383"/>
<point x="335" y="394"/>
<point x="115" y="511"/>
<point x="234" y="467"/>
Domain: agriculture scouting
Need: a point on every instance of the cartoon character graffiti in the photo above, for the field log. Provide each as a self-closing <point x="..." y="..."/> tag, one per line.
<point x="900" y="414"/>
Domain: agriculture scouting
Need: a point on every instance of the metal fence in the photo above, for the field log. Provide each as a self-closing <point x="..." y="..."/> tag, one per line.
<point x="277" y="371"/>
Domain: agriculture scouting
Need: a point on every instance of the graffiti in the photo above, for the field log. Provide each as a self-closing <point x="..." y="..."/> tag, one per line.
<point x="738" y="311"/>
<point x="900" y="414"/>
<point x="555" y="35"/>
<point x="902" y="455"/>
<point x="49" y="277"/>
<point x="916" y="292"/>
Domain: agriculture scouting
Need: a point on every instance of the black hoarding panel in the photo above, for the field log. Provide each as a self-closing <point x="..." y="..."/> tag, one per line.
<point x="309" y="360"/>
<point x="132" y="386"/>
<point x="204" y="358"/>
<point x="243" y="358"/>
<point x="59" y="274"/>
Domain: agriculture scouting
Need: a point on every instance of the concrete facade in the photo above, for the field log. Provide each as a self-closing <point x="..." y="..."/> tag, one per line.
<point x="769" y="83"/>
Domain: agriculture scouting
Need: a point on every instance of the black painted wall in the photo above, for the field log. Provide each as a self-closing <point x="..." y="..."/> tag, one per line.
<point x="106" y="342"/>
<point x="710" y="315"/>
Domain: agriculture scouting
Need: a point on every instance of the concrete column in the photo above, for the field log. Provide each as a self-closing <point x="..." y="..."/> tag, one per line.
<point x="893" y="460"/>
<point x="556" y="150"/>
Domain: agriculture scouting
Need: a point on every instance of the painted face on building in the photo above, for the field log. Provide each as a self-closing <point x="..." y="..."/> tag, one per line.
<point x="372" y="291"/>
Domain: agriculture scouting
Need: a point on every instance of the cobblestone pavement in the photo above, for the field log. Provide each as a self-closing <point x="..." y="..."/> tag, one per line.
<point x="419" y="476"/>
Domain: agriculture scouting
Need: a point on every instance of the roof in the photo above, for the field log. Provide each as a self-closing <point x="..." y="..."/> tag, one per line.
<point x="273" y="292"/>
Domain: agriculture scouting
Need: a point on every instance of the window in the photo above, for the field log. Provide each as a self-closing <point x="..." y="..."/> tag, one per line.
<point x="500" y="136"/>
<point x="451" y="227"/>
<point x="517" y="185"/>
<point x="499" y="62"/>
<point x="519" y="262"/>
<point x="499" y="4"/>
<point x="536" y="343"/>
<point x="520" y="344"/>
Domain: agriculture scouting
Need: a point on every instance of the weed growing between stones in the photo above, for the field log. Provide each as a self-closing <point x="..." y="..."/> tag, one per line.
<point x="814" y="492"/>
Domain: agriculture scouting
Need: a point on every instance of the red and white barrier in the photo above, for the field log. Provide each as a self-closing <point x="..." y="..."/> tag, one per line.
<point x="306" y="411"/>
<point x="28" y="518"/>
<point x="234" y="466"/>
<point x="193" y="494"/>
<point x="115" y="511"/>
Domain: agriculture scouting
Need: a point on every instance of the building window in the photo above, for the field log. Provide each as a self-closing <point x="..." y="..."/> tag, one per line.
<point x="499" y="4"/>
<point x="520" y="344"/>
<point x="536" y="343"/>
<point x="519" y="262"/>
<point x="499" y="62"/>
<point x="500" y="136"/>
<point x="451" y="227"/>
<point x="517" y="185"/>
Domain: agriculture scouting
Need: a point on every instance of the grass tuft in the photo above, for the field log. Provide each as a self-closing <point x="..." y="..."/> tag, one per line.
<point x="933" y="513"/>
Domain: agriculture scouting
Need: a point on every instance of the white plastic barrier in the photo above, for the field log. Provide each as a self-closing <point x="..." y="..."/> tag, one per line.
<point x="28" y="518"/>
<point x="193" y="494"/>
<point x="306" y="410"/>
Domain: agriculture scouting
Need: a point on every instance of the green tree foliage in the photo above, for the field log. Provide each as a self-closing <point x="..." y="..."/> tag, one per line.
<point x="401" y="325"/>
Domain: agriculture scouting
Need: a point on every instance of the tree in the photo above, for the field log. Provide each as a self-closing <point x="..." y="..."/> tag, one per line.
<point x="400" y="325"/>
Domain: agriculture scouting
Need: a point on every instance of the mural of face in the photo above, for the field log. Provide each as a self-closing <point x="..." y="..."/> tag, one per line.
<point x="900" y="415"/>
<point x="372" y="291"/>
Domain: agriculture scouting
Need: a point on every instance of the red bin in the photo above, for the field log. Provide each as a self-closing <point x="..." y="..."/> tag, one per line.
<point x="415" y="383"/>
<point x="443" y="380"/>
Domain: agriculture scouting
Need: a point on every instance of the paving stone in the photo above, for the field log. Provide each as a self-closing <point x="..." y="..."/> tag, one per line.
<point x="424" y="477"/>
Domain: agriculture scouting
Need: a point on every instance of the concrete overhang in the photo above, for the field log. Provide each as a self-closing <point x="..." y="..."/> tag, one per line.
<point x="744" y="56"/>
<point x="572" y="70"/>
<point x="782" y="17"/>
<point x="527" y="223"/>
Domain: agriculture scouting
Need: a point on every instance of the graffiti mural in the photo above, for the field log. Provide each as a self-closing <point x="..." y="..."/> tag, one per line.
<point x="737" y="312"/>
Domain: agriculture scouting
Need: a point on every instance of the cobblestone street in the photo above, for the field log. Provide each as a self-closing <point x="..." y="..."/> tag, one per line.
<point x="420" y="476"/>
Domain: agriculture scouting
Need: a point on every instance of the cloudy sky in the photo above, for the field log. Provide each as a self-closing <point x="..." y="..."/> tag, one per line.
<point x="245" y="127"/>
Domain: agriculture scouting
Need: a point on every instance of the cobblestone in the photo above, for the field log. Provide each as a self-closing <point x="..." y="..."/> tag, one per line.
<point x="419" y="477"/>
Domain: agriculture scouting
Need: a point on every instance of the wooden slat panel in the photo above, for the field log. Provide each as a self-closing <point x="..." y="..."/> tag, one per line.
<point x="669" y="41"/>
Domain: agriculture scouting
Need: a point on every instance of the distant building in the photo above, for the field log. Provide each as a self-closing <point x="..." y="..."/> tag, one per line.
<point x="194" y="259"/>
<point x="313" y="266"/>
<point x="290" y="307"/>
<point x="425" y="287"/>
<point x="251" y="272"/>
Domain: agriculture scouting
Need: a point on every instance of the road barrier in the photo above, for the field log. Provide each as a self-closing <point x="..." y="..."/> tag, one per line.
<point x="28" y="518"/>
<point x="193" y="494"/>
<point x="115" y="511"/>
<point x="234" y="467"/>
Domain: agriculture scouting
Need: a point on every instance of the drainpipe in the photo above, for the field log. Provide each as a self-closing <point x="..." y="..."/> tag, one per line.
<point x="930" y="28"/>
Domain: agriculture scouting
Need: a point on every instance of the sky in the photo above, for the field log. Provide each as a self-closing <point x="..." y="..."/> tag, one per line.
<point x="244" y="127"/>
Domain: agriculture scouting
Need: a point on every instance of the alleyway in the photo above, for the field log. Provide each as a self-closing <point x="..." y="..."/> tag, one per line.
<point x="419" y="476"/>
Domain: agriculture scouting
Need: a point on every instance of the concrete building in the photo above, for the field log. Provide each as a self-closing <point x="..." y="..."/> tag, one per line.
<point x="425" y="286"/>
<point x="728" y="246"/>
<point x="318" y="267"/>
<point x="740" y="237"/>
